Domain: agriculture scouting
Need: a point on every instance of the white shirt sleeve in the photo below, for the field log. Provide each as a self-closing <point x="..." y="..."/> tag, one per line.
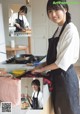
<point x="40" y="99"/>
<point x="13" y="18"/>
<point x="68" y="47"/>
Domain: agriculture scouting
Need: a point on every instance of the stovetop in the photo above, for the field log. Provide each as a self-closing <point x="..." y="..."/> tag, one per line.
<point x="24" y="59"/>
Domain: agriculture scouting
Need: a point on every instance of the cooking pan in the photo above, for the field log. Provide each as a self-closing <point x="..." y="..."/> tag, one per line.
<point x="27" y="58"/>
<point x="24" y="59"/>
<point x="19" y="58"/>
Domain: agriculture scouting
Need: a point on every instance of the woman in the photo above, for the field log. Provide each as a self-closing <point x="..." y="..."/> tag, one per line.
<point x="19" y="20"/>
<point x="36" y="101"/>
<point x="63" y="52"/>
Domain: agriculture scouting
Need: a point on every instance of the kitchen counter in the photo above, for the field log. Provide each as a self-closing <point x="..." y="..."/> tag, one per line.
<point x="11" y="67"/>
<point x="27" y="33"/>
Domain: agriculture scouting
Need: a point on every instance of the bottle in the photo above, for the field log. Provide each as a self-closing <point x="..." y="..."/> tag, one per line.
<point x="12" y="44"/>
<point x="12" y="32"/>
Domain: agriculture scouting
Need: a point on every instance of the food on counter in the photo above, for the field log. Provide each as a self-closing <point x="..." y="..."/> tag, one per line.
<point x="4" y="73"/>
<point x="24" y="105"/>
<point x="18" y="72"/>
<point x="2" y="70"/>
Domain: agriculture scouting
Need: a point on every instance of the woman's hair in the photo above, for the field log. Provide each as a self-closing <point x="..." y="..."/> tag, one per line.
<point x="36" y="82"/>
<point x="23" y="9"/>
<point x="55" y="5"/>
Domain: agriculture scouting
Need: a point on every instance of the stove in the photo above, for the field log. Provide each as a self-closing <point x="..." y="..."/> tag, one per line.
<point x="24" y="59"/>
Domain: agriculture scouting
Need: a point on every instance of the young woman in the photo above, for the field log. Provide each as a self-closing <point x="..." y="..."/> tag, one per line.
<point x="19" y="20"/>
<point x="37" y="98"/>
<point x="63" y="52"/>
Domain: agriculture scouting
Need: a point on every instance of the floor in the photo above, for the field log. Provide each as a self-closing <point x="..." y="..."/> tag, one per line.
<point x="78" y="74"/>
<point x="78" y="70"/>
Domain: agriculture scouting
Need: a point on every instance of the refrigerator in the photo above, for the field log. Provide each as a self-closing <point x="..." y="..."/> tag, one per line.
<point x="2" y="38"/>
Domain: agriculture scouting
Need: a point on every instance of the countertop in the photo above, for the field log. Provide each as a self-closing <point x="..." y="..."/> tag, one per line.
<point x="10" y="67"/>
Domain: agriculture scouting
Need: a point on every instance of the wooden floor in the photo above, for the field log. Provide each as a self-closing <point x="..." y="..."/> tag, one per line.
<point x="78" y="71"/>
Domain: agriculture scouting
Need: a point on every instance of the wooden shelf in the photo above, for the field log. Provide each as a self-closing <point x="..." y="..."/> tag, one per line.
<point x="13" y="51"/>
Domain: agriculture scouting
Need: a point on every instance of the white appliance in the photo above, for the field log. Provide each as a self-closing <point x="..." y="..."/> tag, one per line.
<point x="2" y="38"/>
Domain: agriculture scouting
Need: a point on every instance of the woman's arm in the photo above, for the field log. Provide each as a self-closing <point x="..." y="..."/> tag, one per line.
<point x="29" y="99"/>
<point x="52" y="66"/>
<point x="42" y="65"/>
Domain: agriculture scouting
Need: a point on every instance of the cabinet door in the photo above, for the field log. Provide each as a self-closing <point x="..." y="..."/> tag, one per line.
<point x="39" y="27"/>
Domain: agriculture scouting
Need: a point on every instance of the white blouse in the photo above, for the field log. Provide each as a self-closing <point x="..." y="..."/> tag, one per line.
<point x="68" y="47"/>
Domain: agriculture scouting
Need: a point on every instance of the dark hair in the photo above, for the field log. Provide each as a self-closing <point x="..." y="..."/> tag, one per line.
<point x="23" y="9"/>
<point x="52" y="6"/>
<point x="36" y="82"/>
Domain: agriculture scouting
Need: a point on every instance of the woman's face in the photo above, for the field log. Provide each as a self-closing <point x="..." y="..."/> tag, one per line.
<point x="35" y="87"/>
<point x="57" y="16"/>
<point x="21" y="13"/>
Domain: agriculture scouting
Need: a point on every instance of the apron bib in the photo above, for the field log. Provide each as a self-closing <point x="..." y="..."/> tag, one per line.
<point x="21" y="23"/>
<point x="35" y="104"/>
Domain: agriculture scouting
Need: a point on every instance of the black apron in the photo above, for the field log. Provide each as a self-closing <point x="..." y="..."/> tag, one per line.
<point x="65" y="94"/>
<point x="35" y="104"/>
<point x="20" y="22"/>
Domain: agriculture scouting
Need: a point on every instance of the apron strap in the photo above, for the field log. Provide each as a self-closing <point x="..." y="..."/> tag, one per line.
<point x="61" y="29"/>
<point x="55" y="31"/>
<point x="18" y="16"/>
<point x="37" y="94"/>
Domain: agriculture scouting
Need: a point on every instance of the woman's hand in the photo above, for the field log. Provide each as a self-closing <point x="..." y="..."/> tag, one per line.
<point x="36" y="71"/>
<point x="23" y="30"/>
<point x="29" y="98"/>
<point x="52" y="66"/>
<point x="17" y="25"/>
